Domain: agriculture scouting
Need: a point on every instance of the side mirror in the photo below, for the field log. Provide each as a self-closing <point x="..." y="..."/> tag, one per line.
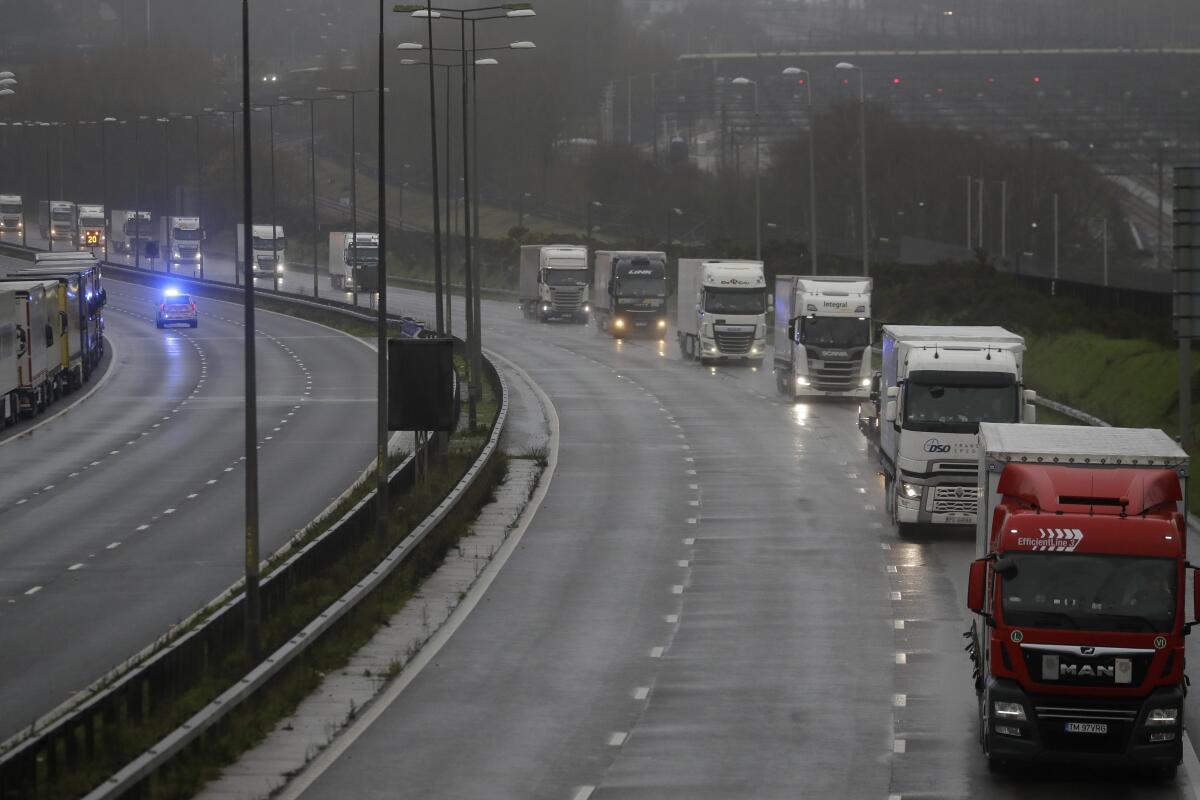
<point x="770" y="301"/>
<point x="889" y="413"/>
<point x="791" y="330"/>
<point x="977" y="585"/>
<point x="893" y="392"/>
<point x="1029" y="411"/>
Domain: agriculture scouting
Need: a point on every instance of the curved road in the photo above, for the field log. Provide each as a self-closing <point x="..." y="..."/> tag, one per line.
<point x="125" y="515"/>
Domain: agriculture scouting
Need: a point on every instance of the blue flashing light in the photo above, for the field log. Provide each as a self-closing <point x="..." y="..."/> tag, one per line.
<point x="170" y="293"/>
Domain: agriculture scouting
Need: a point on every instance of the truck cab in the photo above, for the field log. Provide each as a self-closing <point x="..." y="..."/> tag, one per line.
<point x="823" y="336"/>
<point x="722" y="314"/>
<point x="57" y="218"/>
<point x="354" y="261"/>
<point x="130" y="230"/>
<point x="90" y="224"/>
<point x="184" y="244"/>
<point x="554" y="282"/>
<point x="269" y="251"/>
<point x="631" y="293"/>
<point x="1080" y="587"/>
<point x="12" y="214"/>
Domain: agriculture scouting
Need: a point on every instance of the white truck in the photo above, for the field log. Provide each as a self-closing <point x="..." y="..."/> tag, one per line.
<point x="90" y="224"/>
<point x="554" y="282"/>
<point x="722" y="310"/>
<point x="38" y="328"/>
<point x="12" y="214"/>
<point x="56" y="220"/>
<point x="354" y="261"/>
<point x="823" y="336"/>
<point x="129" y="229"/>
<point x="631" y="292"/>
<point x="938" y="383"/>
<point x="268" y="250"/>
<point x="9" y="384"/>
<point x="184" y="238"/>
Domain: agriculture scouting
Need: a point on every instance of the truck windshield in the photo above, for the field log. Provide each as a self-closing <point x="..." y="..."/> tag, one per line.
<point x="139" y="229"/>
<point x="61" y="216"/>
<point x="835" y="331"/>
<point x="362" y="254"/>
<point x="638" y="280"/>
<point x="91" y="222"/>
<point x="265" y="244"/>
<point x="956" y="402"/>
<point x="187" y="235"/>
<point x="1089" y="592"/>
<point x="735" y="301"/>
<point x="10" y="208"/>
<point x="557" y="276"/>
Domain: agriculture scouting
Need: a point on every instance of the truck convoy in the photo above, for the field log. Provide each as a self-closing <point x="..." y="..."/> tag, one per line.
<point x="722" y="310"/>
<point x="937" y="384"/>
<point x="12" y="214"/>
<point x="554" y="282"/>
<point x="90" y="224"/>
<point x="56" y="220"/>
<point x="1080" y="583"/>
<point x="822" y="336"/>
<point x="354" y="261"/>
<point x="631" y="292"/>
<point x="129" y="229"/>
<point x="184" y="237"/>
<point x="268" y="250"/>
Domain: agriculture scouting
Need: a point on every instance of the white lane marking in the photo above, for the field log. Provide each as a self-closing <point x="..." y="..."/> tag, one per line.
<point x="898" y="746"/>
<point x="690" y="472"/>
<point x="901" y="658"/>
<point x="73" y="475"/>
<point x="47" y="488"/>
<point x="435" y="644"/>
<point x="211" y="482"/>
<point x="895" y="797"/>
<point x="891" y="568"/>
<point x="900" y="700"/>
<point x="1191" y="766"/>
<point x="656" y="652"/>
<point x="94" y="464"/>
<point x="692" y="520"/>
<point x="898" y="624"/>
<point x="229" y="469"/>
<point x="689" y="541"/>
<point x="673" y="619"/>
<point x="21" y="502"/>
<point x="34" y="590"/>
<point x="695" y="487"/>
<point x="583" y="793"/>
<point x="693" y="502"/>
<point x="74" y="567"/>
<point x="896" y="596"/>
<point x="169" y="511"/>
<point x="192" y="496"/>
<point x="676" y="589"/>
<point x="113" y="546"/>
<point x="682" y="562"/>
<point x="641" y="693"/>
<point x="617" y="739"/>
<point x="885" y="546"/>
<point x="143" y="527"/>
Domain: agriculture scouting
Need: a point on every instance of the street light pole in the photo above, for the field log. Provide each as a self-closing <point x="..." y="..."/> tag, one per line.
<point x="812" y="166"/>
<point x="381" y="438"/>
<point x="757" y="170"/>
<point x="862" y="142"/>
<point x="104" y="181"/>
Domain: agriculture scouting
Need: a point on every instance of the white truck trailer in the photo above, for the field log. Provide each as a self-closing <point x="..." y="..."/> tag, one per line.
<point x="554" y="282"/>
<point x="130" y="229"/>
<point x="56" y="220"/>
<point x="823" y="336"/>
<point x="630" y="292"/>
<point x="90" y="224"/>
<point x="39" y="364"/>
<point x="938" y="383"/>
<point x="12" y="214"/>
<point x="722" y="310"/>
<point x="9" y="383"/>
<point x="184" y="238"/>
<point x="269" y="250"/>
<point x="354" y="261"/>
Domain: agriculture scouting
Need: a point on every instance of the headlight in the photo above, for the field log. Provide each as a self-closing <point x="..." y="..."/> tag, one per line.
<point x="755" y="350"/>
<point x="801" y="380"/>
<point x="1162" y="716"/>
<point x="545" y="307"/>
<point x="619" y="323"/>
<point x="1013" y="711"/>
<point x="587" y="308"/>
<point x="866" y="382"/>
<point x="279" y="267"/>
<point x="662" y="323"/>
<point x="912" y="492"/>
<point x="197" y="256"/>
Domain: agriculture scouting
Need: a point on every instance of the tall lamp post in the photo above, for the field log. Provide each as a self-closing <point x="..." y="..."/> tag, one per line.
<point x="104" y="123"/>
<point x="757" y="170"/>
<point x="353" y="94"/>
<point x="270" y="108"/>
<point x="862" y="145"/>
<point x="806" y="78"/>
<point x="312" y="171"/>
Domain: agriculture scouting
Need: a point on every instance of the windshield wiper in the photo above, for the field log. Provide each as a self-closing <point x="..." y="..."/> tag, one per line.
<point x="1133" y="621"/>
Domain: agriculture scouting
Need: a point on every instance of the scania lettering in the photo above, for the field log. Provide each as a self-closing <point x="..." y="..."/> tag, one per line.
<point x="1079" y="587"/>
<point x="12" y="214"/>
<point x="554" y="283"/>
<point x="631" y="293"/>
<point x="722" y="311"/>
<point x="823" y="336"/>
<point x="937" y="384"/>
<point x="90" y="224"/>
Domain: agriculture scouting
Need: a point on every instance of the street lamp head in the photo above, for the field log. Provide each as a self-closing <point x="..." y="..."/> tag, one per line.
<point x="410" y="46"/>
<point x="110" y="119"/>
<point x="409" y="62"/>
<point x="8" y="81"/>
<point x="7" y="74"/>
<point x="162" y="119"/>
<point x="794" y="71"/>
<point x="741" y="82"/>
<point x="486" y="62"/>
<point x="845" y="65"/>
<point x="522" y="46"/>
<point x="422" y="13"/>
<point x="521" y="12"/>
<point x="6" y="92"/>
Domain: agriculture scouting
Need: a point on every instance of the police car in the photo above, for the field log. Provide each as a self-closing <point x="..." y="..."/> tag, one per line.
<point x="175" y="308"/>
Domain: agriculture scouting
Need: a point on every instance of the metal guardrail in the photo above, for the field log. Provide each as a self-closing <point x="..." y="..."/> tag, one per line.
<point x="84" y="730"/>
<point x="1073" y="413"/>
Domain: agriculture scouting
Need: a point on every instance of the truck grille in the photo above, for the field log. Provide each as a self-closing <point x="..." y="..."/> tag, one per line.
<point x="734" y="341"/>
<point x="955" y="499"/>
<point x="567" y="301"/>
<point x="835" y="376"/>
<point x="1052" y="719"/>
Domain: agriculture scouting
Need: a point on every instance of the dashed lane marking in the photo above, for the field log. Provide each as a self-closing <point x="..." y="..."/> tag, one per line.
<point x="641" y="693"/>
<point x="33" y="591"/>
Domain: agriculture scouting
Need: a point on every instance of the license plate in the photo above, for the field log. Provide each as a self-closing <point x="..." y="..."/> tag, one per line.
<point x="959" y="519"/>
<point x="1087" y="727"/>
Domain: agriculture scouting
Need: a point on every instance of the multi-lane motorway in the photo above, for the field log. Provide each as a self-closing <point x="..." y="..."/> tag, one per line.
<point x="710" y="603"/>
<point x="125" y="515"/>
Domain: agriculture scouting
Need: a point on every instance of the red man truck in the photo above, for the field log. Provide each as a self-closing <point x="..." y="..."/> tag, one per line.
<point x="1079" y="588"/>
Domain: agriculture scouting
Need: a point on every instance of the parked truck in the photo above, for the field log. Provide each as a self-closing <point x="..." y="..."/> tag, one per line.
<point x="630" y="292"/>
<point x="39" y="360"/>
<point x="10" y="387"/>
<point x="56" y="220"/>
<point x="90" y="224"/>
<point x="130" y="230"/>
<point x="822" y="336"/>
<point x="1080" y="582"/>
<point x="354" y="261"/>
<point x="554" y="282"/>
<point x="722" y="310"/>
<point x="12" y="214"/>
<point x="81" y="298"/>
<point x="268" y="250"/>
<point x="938" y="383"/>
<point x="184" y="239"/>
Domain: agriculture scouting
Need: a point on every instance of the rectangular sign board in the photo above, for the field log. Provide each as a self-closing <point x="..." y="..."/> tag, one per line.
<point x="421" y="385"/>
<point x="1187" y="252"/>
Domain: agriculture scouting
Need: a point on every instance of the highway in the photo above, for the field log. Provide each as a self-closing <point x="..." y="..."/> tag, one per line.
<point x="125" y="515"/>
